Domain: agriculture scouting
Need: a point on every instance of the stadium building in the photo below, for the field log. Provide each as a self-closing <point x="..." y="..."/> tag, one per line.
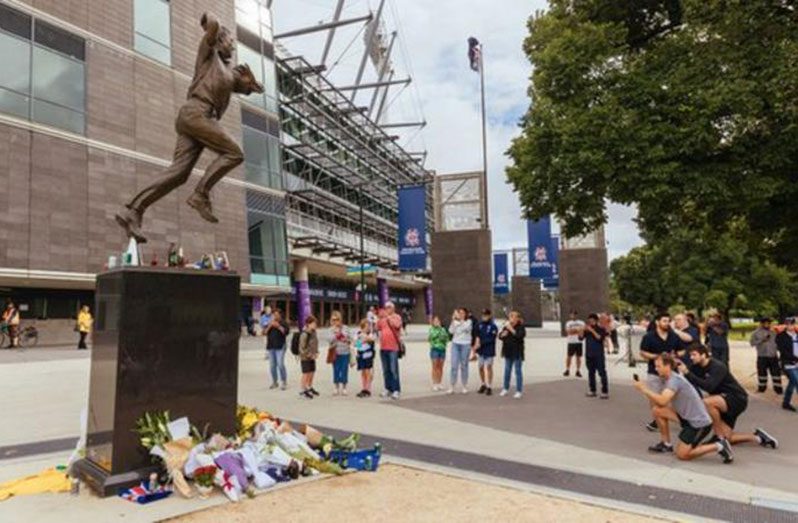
<point x="88" y="94"/>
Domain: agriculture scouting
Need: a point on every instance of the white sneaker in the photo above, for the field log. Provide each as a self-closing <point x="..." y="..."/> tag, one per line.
<point x="464" y="391"/>
<point x="517" y="396"/>
<point x="450" y="390"/>
<point x="335" y="392"/>
<point x="384" y="394"/>
<point x="395" y="396"/>
<point x="504" y="392"/>
<point x="435" y="387"/>
<point x="344" y="392"/>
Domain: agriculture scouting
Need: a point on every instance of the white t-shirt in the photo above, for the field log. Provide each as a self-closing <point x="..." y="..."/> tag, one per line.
<point x="574" y="324"/>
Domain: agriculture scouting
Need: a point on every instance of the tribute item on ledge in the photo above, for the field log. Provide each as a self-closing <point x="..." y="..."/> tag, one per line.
<point x="198" y="127"/>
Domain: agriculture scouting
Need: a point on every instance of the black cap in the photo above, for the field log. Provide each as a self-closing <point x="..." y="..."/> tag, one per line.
<point x="486" y="312"/>
<point x="765" y="319"/>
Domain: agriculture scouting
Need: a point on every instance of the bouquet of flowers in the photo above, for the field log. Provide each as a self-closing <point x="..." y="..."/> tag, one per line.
<point x="203" y="476"/>
<point x="152" y="429"/>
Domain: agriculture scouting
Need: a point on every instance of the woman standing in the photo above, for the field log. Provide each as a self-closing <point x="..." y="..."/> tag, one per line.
<point x="512" y="336"/>
<point x="11" y="320"/>
<point x="341" y="341"/>
<point x="461" y="330"/>
<point x="85" y="322"/>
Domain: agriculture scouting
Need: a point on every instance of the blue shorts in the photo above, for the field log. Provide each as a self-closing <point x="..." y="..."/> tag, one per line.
<point x="483" y="361"/>
<point x="365" y="359"/>
<point x="437" y="354"/>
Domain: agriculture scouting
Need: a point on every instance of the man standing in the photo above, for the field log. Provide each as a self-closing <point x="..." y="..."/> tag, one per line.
<point x="787" y="343"/>
<point x="727" y="399"/>
<point x="276" y="333"/>
<point x="389" y="327"/>
<point x="767" y="356"/>
<point x="486" y="351"/>
<point x="718" y="338"/>
<point x="681" y="327"/>
<point x="573" y="332"/>
<point x="11" y="320"/>
<point x="595" y="339"/>
<point x="680" y="402"/>
<point x="658" y="340"/>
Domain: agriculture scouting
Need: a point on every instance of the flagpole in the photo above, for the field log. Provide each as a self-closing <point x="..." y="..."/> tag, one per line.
<point x="486" y="220"/>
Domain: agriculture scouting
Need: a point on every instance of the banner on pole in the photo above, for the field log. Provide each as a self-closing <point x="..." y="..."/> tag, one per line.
<point x="412" y="228"/>
<point x="554" y="256"/>
<point x="539" y="243"/>
<point x="500" y="274"/>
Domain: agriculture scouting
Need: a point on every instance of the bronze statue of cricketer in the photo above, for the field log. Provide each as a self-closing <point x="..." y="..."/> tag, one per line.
<point x="198" y="127"/>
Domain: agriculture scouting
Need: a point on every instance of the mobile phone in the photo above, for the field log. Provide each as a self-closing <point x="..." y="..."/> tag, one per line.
<point x="635" y="377"/>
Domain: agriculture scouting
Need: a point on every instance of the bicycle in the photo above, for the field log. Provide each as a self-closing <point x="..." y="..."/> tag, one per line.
<point x="28" y="336"/>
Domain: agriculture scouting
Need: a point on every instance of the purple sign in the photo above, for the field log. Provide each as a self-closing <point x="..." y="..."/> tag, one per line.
<point x="428" y="301"/>
<point x="302" y="302"/>
<point x="382" y="291"/>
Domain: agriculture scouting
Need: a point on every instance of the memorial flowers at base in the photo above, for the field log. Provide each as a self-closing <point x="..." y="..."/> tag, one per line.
<point x="264" y="451"/>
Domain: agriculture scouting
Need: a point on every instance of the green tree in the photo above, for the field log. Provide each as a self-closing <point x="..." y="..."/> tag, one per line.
<point x="688" y="109"/>
<point x="700" y="269"/>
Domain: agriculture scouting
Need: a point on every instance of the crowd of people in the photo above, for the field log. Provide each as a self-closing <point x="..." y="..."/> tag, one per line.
<point x="380" y="335"/>
<point x="688" y="379"/>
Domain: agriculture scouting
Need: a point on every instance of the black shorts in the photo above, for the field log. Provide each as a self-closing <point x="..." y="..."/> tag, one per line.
<point x="308" y="366"/>
<point x="365" y="363"/>
<point x="575" y="349"/>
<point x="735" y="406"/>
<point x="693" y="436"/>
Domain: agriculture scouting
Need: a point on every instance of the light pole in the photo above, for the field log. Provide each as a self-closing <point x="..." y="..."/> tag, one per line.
<point x="362" y="255"/>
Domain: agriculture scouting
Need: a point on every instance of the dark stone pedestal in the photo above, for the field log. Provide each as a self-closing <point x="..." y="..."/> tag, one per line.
<point x="527" y="300"/>
<point x="164" y="339"/>
<point x="461" y="271"/>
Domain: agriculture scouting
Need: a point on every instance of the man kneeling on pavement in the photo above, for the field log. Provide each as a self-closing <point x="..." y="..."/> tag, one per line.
<point x="680" y="402"/>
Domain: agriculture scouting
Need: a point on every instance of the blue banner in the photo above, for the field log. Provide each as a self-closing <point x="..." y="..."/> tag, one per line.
<point x="412" y="228"/>
<point x="554" y="281"/>
<point x="501" y="276"/>
<point x="540" y="255"/>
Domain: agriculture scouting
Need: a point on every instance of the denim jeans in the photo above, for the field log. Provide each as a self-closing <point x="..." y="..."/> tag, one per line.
<point x="460" y="354"/>
<point x="509" y="364"/>
<point x="341" y="369"/>
<point x="597" y="364"/>
<point x="792" y="384"/>
<point x="390" y="370"/>
<point x="277" y="364"/>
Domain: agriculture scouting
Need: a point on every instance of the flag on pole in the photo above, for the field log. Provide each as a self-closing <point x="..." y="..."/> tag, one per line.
<point x="475" y="54"/>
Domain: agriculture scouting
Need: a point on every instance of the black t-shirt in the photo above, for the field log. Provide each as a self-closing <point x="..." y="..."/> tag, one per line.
<point x="594" y="347"/>
<point x="653" y="344"/>
<point x="716" y="378"/>
<point x="276" y="339"/>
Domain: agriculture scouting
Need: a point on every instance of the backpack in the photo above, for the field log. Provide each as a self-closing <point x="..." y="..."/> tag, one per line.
<point x="295" y="343"/>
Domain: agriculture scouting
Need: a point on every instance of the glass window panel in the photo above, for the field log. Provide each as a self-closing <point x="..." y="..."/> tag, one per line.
<point x="57" y="116"/>
<point x="152" y="20"/>
<point x="279" y="240"/>
<point x="247" y="14"/>
<point x="273" y="155"/>
<point x="255" y="147"/>
<point x="13" y="103"/>
<point x="58" y="79"/>
<point x="153" y="49"/>
<point x="270" y="78"/>
<point x="15" y="72"/>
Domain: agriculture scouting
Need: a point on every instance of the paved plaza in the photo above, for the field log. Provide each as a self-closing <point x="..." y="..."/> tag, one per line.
<point x="553" y="441"/>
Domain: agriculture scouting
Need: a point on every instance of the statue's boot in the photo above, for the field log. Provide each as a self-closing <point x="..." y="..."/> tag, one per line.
<point x="130" y="221"/>
<point x="202" y="204"/>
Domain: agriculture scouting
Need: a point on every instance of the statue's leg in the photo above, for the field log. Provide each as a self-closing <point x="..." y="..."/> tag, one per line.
<point x="187" y="152"/>
<point x="212" y="135"/>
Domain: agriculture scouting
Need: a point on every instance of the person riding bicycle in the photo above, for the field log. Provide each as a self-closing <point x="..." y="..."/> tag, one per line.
<point x="11" y="319"/>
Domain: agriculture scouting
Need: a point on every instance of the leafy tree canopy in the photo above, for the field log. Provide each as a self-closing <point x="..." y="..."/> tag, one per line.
<point x="686" y="108"/>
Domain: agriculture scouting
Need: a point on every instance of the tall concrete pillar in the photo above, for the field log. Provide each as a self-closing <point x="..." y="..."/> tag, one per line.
<point x="302" y="291"/>
<point x="382" y="291"/>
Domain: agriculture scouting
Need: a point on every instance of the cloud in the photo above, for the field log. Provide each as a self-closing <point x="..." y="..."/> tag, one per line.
<point x="445" y="91"/>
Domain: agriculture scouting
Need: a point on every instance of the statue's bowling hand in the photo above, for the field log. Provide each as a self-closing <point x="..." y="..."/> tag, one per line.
<point x="204" y="20"/>
<point x="247" y="84"/>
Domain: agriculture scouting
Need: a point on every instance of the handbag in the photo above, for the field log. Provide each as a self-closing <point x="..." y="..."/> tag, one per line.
<point x="402" y="347"/>
<point x="331" y="355"/>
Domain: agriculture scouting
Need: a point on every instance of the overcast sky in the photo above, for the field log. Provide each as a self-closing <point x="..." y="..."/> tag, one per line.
<point x="445" y="92"/>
